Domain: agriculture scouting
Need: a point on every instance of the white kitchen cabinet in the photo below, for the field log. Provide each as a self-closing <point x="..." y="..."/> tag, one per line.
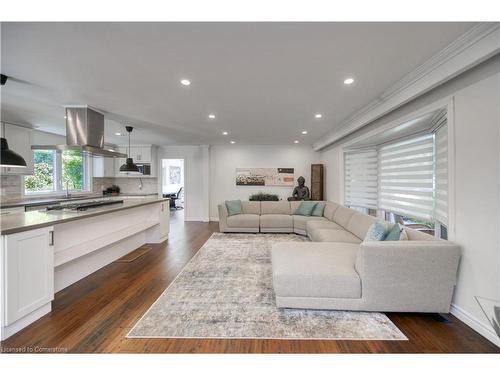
<point x="103" y="167"/>
<point x="19" y="140"/>
<point x="141" y="154"/>
<point x="164" y="219"/>
<point x="28" y="277"/>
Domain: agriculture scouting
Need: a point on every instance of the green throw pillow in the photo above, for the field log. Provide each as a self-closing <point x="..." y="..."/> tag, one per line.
<point x="305" y="208"/>
<point x="319" y="209"/>
<point x="233" y="207"/>
<point x="394" y="233"/>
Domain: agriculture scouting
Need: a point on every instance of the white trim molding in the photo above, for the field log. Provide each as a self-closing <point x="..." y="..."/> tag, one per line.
<point x="476" y="325"/>
<point x="475" y="46"/>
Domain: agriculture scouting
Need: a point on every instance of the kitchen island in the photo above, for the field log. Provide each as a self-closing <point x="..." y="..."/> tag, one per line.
<point x="44" y="251"/>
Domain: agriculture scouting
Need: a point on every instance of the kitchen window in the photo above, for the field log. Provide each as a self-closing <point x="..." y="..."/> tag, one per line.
<point x="56" y="171"/>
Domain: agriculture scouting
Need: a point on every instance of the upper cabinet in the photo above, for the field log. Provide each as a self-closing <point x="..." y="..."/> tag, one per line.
<point x="20" y="140"/>
<point x="103" y="167"/>
<point x="141" y="154"/>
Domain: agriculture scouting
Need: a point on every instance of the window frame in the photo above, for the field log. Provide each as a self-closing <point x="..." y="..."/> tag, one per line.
<point x="57" y="178"/>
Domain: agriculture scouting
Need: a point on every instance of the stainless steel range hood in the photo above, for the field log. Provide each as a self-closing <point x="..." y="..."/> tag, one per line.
<point x="84" y="132"/>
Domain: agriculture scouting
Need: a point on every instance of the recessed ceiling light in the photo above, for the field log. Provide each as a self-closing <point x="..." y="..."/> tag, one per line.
<point x="318" y="115"/>
<point x="224" y="133"/>
<point x="304" y="132"/>
<point x="118" y="133"/>
<point x="348" y="81"/>
<point x="211" y="116"/>
<point x="185" y="82"/>
<point x="295" y="141"/>
<point x="233" y="142"/>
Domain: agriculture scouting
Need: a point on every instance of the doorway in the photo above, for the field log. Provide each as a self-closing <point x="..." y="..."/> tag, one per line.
<point x="172" y="172"/>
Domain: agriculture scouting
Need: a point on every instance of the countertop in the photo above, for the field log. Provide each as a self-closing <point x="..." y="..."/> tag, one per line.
<point x="23" y="221"/>
<point x="54" y="200"/>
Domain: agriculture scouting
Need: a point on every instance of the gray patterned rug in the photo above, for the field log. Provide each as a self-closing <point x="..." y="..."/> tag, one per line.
<point x="226" y="292"/>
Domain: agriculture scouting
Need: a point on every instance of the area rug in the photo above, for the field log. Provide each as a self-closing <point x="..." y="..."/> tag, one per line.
<point x="226" y="292"/>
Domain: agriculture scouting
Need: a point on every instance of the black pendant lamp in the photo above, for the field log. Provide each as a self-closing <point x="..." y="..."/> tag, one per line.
<point x="129" y="166"/>
<point x="8" y="157"/>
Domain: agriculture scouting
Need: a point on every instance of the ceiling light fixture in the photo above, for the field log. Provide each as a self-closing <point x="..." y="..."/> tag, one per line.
<point x="225" y="133"/>
<point x="295" y="141"/>
<point x="211" y="116"/>
<point x="233" y="142"/>
<point x="318" y="115"/>
<point x="348" y="81"/>
<point x="129" y="166"/>
<point x="9" y="158"/>
<point x="304" y="132"/>
<point x="118" y="133"/>
<point x="185" y="82"/>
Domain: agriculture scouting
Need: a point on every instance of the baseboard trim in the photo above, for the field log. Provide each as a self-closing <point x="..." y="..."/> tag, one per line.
<point x="214" y="218"/>
<point x="478" y="326"/>
<point x="195" y="218"/>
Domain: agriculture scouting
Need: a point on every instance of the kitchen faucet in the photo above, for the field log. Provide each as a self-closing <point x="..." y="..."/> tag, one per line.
<point x="68" y="195"/>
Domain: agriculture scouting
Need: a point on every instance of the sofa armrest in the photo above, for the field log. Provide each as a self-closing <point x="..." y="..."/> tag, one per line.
<point x="414" y="275"/>
<point x="222" y="217"/>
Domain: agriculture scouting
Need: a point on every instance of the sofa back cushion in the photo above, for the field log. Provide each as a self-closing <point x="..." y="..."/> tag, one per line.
<point x="330" y="209"/>
<point x="251" y="207"/>
<point x="342" y="215"/>
<point x="359" y="224"/>
<point x="415" y="235"/>
<point x="281" y="207"/>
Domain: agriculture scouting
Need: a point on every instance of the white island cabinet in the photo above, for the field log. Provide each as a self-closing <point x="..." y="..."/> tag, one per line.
<point x="27" y="277"/>
<point x="45" y="252"/>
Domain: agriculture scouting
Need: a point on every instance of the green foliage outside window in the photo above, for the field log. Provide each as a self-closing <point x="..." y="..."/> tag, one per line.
<point x="72" y="170"/>
<point x="43" y="176"/>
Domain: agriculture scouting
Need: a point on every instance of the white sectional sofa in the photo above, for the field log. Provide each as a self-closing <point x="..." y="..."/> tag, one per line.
<point x="340" y="271"/>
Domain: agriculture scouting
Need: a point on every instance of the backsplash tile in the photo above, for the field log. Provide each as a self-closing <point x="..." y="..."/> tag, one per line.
<point x="11" y="188"/>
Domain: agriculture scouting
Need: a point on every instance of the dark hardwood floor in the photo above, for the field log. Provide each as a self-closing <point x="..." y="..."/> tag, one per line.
<point x="95" y="314"/>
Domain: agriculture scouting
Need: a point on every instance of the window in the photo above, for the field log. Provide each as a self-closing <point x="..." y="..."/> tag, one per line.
<point x="403" y="181"/>
<point x="406" y="183"/>
<point x="56" y="170"/>
<point x="361" y="179"/>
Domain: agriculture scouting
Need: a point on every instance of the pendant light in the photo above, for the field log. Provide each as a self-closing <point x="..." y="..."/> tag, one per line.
<point x="8" y="157"/>
<point x="129" y="166"/>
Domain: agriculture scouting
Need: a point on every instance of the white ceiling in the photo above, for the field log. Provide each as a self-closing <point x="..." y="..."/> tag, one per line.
<point x="264" y="81"/>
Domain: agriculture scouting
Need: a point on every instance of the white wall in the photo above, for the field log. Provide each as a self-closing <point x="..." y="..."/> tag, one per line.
<point x="476" y="207"/>
<point x="225" y="159"/>
<point x="196" y="183"/>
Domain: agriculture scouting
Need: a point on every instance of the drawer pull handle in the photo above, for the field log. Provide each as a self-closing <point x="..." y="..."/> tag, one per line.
<point x="51" y="242"/>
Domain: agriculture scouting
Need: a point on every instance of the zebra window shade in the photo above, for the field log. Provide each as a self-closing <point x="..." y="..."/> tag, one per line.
<point x="406" y="177"/>
<point x="441" y="175"/>
<point x="361" y="185"/>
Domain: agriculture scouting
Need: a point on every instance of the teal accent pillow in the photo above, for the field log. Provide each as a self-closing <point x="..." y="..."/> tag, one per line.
<point x="377" y="231"/>
<point x="234" y="208"/>
<point x="305" y="208"/>
<point x="394" y="233"/>
<point x="319" y="209"/>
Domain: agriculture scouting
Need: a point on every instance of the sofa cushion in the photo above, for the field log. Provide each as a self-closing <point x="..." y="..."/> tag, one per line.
<point x="329" y="211"/>
<point x="321" y="224"/>
<point x="305" y="208"/>
<point x="343" y="215"/>
<point x="243" y="221"/>
<point x="359" y="224"/>
<point x="299" y="221"/>
<point x="234" y="207"/>
<point x="276" y="221"/>
<point x="324" y="270"/>
<point x="395" y="233"/>
<point x="377" y="231"/>
<point x="319" y="209"/>
<point x="249" y="207"/>
<point x="332" y="235"/>
<point x="282" y="207"/>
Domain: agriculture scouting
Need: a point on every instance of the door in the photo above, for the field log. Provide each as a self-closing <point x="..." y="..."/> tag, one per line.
<point x="173" y="173"/>
<point x="29" y="272"/>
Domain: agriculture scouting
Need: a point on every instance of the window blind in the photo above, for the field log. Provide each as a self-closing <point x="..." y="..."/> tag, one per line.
<point x="406" y="180"/>
<point x="441" y="175"/>
<point x="361" y="183"/>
